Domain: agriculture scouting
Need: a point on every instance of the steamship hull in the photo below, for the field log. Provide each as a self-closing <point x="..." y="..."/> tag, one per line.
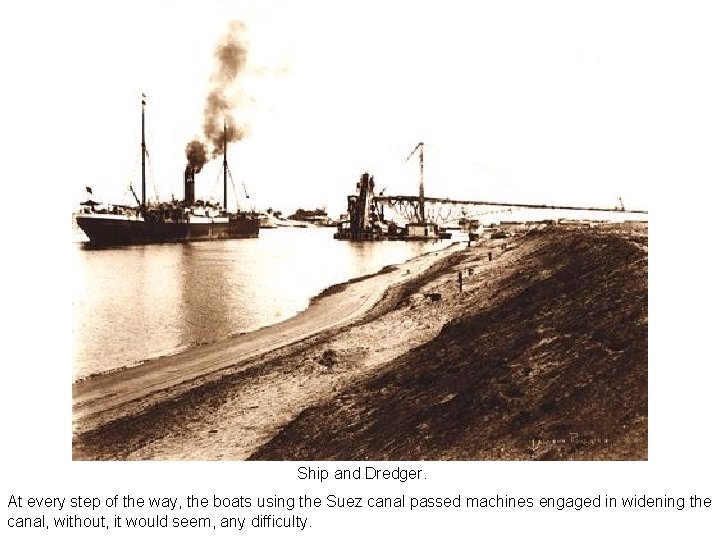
<point x="116" y="231"/>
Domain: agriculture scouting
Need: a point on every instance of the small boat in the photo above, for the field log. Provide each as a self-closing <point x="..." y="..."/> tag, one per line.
<point x="267" y="221"/>
<point x="173" y="221"/>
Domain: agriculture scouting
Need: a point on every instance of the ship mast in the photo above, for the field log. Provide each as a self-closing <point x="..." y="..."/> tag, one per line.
<point x="142" y="149"/>
<point x="225" y="165"/>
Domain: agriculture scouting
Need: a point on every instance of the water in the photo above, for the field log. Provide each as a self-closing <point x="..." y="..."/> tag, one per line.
<point x="139" y="302"/>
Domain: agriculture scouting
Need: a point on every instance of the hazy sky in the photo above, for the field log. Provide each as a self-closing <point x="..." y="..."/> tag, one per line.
<point x="547" y="102"/>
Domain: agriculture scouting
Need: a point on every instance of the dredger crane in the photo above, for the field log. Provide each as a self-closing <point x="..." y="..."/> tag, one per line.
<point x="421" y="198"/>
<point x="366" y="210"/>
<point x="418" y="203"/>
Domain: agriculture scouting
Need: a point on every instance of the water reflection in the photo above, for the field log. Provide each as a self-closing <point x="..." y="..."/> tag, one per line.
<point x="205" y="288"/>
<point x="137" y="302"/>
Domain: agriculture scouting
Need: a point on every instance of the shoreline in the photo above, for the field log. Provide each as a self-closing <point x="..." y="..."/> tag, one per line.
<point x="335" y="288"/>
<point x="110" y="395"/>
<point x="173" y="350"/>
<point x="352" y="389"/>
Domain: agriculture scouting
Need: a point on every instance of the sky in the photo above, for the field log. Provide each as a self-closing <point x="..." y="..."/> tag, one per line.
<point x="554" y="102"/>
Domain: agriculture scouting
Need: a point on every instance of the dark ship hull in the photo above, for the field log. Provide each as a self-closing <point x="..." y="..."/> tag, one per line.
<point x="175" y="221"/>
<point x="121" y="231"/>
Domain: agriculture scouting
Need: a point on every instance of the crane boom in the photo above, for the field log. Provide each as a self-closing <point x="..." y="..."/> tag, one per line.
<point x="421" y="198"/>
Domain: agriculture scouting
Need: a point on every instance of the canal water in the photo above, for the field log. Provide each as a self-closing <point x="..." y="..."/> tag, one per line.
<point x="139" y="302"/>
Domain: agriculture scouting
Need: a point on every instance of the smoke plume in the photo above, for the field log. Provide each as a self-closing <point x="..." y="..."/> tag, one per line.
<point x="196" y="157"/>
<point x="231" y="58"/>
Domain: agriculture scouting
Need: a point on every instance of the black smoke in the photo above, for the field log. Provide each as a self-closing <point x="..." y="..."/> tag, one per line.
<point x="231" y="59"/>
<point x="196" y="157"/>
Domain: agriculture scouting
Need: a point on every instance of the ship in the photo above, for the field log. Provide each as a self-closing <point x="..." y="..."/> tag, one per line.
<point x="173" y="221"/>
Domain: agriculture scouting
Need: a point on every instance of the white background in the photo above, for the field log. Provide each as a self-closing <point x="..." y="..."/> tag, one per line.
<point x="660" y="143"/>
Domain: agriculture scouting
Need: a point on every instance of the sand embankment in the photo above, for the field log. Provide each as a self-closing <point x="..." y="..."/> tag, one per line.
<point x="547" y="360"/>
<point x="108" y="398"/>
<point x="546" y="342"/>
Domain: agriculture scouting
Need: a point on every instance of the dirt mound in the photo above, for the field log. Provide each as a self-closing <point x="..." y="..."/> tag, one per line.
<point x="554" y="366"/>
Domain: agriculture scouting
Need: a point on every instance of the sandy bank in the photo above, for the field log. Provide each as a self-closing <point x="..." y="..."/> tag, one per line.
<point x="108" y="397"/>
<point x="546" y="358"/>
<point x="548" y="337"/>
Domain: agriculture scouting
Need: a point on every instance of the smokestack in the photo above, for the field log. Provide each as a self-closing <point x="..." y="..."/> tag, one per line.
<point x="196" y="157"/>
<point x="189" y="185"/>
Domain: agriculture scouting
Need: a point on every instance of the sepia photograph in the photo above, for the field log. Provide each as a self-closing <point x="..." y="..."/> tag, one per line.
<point x="310" y="231"/>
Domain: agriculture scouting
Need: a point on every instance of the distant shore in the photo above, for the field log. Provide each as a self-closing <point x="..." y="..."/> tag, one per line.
<point x="353" y="363"/>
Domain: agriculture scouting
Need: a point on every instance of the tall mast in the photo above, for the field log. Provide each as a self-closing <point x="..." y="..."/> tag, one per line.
<point x="422" y="185"/>
<point x="421" y="198"/>
<point x="225" y="165"/>
<point x="142" y="149"/>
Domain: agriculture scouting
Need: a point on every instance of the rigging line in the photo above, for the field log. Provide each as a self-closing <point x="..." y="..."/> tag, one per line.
<point x="213" y="191"/>
<point x="152" y="176"/>
<point x="217" y="179"/>
<point x="135" y="195"/>
<point x="232" y="181"/>
<point x="132" y="175"/>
